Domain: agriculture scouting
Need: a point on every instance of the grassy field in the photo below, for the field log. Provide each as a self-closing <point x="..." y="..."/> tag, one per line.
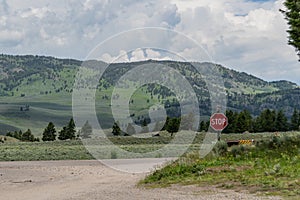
<point x="272" y="167"/>
<point x="57" y="107"/>
<point x="12" y="149"/>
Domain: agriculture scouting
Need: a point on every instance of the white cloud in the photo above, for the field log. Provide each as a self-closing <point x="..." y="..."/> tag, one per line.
<point x="151" y="54"/>
<point x="10" y="38"/>
<point x="35" y="12"/>
<point x="137" y="55"/>
<point x="241" y="34"/>
<point x="247" y="36"/>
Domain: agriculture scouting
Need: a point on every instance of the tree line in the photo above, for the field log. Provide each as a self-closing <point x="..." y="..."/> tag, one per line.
<point x="26" y="136"/>
<point x="171" y="125"/>
<point x="238" y="122"/>
<point x="267" y="121"/>
<point x="68" y="132"/>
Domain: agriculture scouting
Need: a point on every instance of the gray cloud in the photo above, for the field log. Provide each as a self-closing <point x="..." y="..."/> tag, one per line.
<point x="244" y="35"/>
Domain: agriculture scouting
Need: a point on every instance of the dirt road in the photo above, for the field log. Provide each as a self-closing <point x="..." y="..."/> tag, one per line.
<point x="78" y="180"/>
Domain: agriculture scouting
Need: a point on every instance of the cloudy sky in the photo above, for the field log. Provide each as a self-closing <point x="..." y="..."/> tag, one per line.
<point x="245" y="35"/>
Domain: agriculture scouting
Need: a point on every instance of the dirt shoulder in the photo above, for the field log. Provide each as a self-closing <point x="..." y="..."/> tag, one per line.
<point x="76" y="180"/>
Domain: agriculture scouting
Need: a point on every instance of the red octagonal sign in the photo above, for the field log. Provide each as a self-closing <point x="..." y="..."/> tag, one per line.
<point x="218" y="121"/>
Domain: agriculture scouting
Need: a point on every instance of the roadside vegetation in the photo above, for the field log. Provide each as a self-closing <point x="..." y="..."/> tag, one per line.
<point x="270" y="167"/>
<point x="12" y="150"/>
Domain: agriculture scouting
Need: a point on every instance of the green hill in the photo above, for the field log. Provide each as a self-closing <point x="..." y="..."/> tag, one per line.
<point x="45" y="85"/>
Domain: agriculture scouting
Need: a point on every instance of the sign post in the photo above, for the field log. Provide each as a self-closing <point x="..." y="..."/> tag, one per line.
<point x="218" y="121"/>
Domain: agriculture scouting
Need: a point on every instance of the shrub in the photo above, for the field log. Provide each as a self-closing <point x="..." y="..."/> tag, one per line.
<point x="221" y="148"/>
<point x="285" y="143"/>
<point x="113" y="155"/>
<point x="238" y="150"/>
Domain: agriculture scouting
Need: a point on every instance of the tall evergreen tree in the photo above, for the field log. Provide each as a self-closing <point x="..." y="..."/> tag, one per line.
<point x="27" y="136"/>
<point x="86" y="131"/>
<point x="71" y="131"/>
<point x="292" y="15"/>
<point x="257" y="125"/>
<point x="68" y="132"/>
<point x="281" y="121"/>
<point x="295" y="120"/>
<point x="266" y="122"/>
<point x="232" y="122"/>
<point x="299" y="120"/>
<point x="202" y="126"/>
<point x="244" y="122"/>
<point x="166" y="123"/>
<point x="173" y="125"/>
<point x="116" y="130"/>
<point x="270" y="121"/>
<point x="49" y="133"/>
<point x="18" y="135"/>
<point x="62" y="134"/>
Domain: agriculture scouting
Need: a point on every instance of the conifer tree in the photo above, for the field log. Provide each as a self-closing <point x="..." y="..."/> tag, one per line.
<point x="116" y="130"/>
<point x="49" y="133"/>
<point x="295" y="120"/>
<point x="86" y="131"/>
<point x="292" y="15"/>
<point x="281" y="121"/>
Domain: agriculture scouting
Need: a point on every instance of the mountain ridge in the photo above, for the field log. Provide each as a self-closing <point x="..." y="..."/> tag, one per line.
<point x="38" y="80"/>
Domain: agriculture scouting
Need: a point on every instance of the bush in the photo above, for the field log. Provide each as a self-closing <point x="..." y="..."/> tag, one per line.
<point x="279" y="142"/>
<point x="113" y="155"/>
<point x="221" y="148"/>
<point x="238" y="150"/>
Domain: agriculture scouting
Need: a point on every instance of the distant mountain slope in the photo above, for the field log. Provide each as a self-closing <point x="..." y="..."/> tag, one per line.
<point x="45" y="83"/>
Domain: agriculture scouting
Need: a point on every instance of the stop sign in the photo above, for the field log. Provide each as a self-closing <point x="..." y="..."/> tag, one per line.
<point x="218" y="121"/>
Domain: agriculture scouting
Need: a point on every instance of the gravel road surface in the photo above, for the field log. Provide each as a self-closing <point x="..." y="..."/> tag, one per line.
<point x="88" y="180"/>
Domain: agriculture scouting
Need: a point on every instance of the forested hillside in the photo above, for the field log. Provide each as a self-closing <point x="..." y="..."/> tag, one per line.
<point x="37" y="89"/>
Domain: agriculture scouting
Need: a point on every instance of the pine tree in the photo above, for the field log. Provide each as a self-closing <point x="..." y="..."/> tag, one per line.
<point x="166" y="123"/>
<point x="18" y="135"/>
<point x="202" y="126"/>
<point x="27" y="136"/>
<point x="232" y="122"/>
<point x="173" y="125"/>
<point x="244" y="122"/>
<point x="144" y="123"/>
<point x="49" y="133"/>
<point x="116" y="130"/>
<point x="70" y="130"/>
<point x="281" y="121"/>
<point x="207" y="125"/>
<point x="292" y="15"/>
<point x="268" y="119"/>
<point x="299" y="121"/>
<point x="295" y="120"/>
<point x="257" y="125"/>
<point x="62" y="135"/>
<point x="86" y="131"/>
